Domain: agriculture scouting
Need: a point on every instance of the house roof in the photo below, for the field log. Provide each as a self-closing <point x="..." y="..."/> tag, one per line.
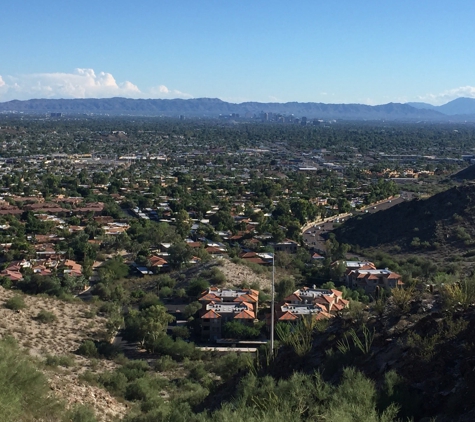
<point x="293" y="297"/>
<point x="288" y="316"/>
<point x="245" y="315"/>
<point x="211" y="315"/>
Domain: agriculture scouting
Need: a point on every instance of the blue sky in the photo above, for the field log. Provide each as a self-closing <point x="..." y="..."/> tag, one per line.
<point x="340" y="51"/>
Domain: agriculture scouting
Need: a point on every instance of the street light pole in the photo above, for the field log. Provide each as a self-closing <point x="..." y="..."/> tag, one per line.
<point x="272" y="306"/>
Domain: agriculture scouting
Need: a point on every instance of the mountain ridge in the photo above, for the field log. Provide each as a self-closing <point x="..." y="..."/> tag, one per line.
<point x="214" y="107"/>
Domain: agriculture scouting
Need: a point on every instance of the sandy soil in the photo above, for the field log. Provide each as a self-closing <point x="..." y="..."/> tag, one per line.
<point x="60" y="338"/>
<point x="237" y="274"/>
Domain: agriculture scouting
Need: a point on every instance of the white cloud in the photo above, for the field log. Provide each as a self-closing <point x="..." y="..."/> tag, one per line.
<point x="82" y="83"/>
<point x="449" y="95"/>
<point x="161" y="91"/>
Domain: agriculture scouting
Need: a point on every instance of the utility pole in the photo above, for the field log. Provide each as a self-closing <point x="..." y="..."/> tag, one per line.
<point x="272" y="306"/>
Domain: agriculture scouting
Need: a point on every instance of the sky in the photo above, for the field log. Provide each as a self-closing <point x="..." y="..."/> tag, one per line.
<point x="339" y="51"/>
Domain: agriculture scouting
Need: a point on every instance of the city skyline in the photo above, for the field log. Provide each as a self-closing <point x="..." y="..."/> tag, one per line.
<point x="307" y="51"/>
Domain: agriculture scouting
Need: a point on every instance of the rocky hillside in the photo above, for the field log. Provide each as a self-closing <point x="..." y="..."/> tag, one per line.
<point x="417" y="348"/>
<point x="445" y="220"/>
<point x="52" y="341"/>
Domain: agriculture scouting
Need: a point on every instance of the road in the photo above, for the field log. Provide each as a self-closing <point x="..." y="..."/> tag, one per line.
<point x="316" y="236"/>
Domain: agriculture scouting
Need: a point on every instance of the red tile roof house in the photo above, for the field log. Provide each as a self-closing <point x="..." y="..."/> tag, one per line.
<point x="371" y="280"/>
<point x="223" y="305"/>
<point x="322" y="303"/>
<point x="72" y="267"/>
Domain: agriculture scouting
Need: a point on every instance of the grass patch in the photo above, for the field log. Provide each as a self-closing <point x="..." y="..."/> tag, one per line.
<point x="15" y="303"/>
<point x="46" y="317"/>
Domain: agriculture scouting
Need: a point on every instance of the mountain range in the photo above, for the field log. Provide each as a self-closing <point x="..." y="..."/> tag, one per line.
<point x="460" y="109"/>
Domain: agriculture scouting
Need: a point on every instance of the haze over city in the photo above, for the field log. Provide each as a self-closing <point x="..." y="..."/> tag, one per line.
<point x="367" y="52"/>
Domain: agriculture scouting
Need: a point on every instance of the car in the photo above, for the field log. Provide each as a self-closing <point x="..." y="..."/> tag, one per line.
<point x="374" y="207"/>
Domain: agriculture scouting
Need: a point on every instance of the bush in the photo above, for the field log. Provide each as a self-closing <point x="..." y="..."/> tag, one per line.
<point x="81" y="413"/>
<point x="15" y="303"/>
<point x="135" y="369"/>
<point x="150" y="299"/>
<point x="46" y="317"/>
<point x="196" y="287"/>
<point x="114" y="382"/>
<point x="24" y="391"/>
<point x="191" y="309"/>
<point x="65" y="360"/>
<point x="88" y="349"/>
<point x="181" y="332"/>
<point x="165" y="363"/>
<point x="165" y="292"/>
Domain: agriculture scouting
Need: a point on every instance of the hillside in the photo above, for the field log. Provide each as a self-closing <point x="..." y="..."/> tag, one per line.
<point x="213" y="107"/>
<point x="443" y="221"/>
<point x="417" y="348"/>
<point x="458" y="107"/>
<point x="58" y="340"/>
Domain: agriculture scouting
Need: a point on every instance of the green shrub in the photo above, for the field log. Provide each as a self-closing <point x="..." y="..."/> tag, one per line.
<point x="81" y="413"/>
<point x="165" y="363"/>
<point x="88" y="349"/>
<point x="15" y="303"/>
<point x="24" y="391"/>
<point x="135" y="369"/>
<point x="67" y="361"/>
<point x="46" y="317"/>
<point x="115" y="382"/>
<point x="181" y="332"/>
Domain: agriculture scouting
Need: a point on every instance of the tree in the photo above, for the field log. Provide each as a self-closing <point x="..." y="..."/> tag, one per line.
<point x="155" y="320"/>
<point x="284" y="288"/>
<point x="183" y="223"/>
<point x="179" y="255"/>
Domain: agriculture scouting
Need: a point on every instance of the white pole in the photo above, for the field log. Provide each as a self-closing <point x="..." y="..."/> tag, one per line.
<point x="272" y="306"/>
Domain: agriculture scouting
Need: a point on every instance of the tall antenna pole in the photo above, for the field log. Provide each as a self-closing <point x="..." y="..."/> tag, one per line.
<point x="272" y="305"/>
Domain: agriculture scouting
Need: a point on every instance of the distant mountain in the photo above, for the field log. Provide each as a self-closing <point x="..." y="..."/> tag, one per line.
<point x="420" y="106"/>
<point x="213" y="107"/>
<point x="458" y="107"/>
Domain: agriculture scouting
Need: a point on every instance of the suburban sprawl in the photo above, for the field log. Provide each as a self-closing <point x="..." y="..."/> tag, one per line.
<point x="245" y="268"/>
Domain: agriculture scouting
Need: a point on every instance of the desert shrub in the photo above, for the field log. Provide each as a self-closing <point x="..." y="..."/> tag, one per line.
<point x="107" y="350"/>
<point x="134" y="369"/>
<point x="81" y="413"/>
<point x="460" y="293"/>
<point x="150" y="299"/>
<point x="145" y="388"/>
<point x="178" y="349"/>
<point x="230" y="364"/>
<point x="67" y="361"/>
<point x="24" y="391"/>
<point x="165" y="292"/>
<point x="237" y="330"/>
<point x="196" y="287"/>
<point x="165" y="363"/>
<point x="401" y="299"/>
<point x="88" y="349"/>
<point x="46" y="317"/>
<point x="423" y="346"/>
<point x="15" y="303"/>
<point x="181" y="332"/>
<point x="191" y="309"/>
<point x="115" y="382"/>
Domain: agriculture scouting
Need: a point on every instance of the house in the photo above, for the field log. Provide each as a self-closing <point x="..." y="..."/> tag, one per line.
<point x="220" y="306"/>
<point x="72" y="267"/>
<point x="373" y="279"/>
<point x="288" y="246"/>
<point x="319" y="303"/>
